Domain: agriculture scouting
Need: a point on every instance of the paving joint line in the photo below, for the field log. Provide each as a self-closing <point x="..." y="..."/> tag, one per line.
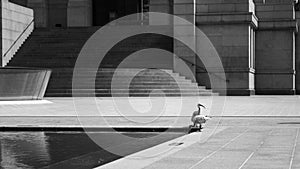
<point x="294" y="150"/>
<point x="211" y="154"/>
<point x="257" y="148"/>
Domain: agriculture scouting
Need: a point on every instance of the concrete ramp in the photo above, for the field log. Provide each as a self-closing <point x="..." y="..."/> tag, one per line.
<point x="23" y="83"/>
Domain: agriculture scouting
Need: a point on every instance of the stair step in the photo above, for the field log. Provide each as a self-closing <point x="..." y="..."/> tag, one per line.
<point x="130" y="95"/>
<point x="59" y="48"/>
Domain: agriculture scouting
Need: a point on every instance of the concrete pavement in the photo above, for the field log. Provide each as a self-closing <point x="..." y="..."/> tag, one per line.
<point x="122" y="112"/>
<point x="170" y="106"/>
<point x="227" y="143"/>
<point x="259" y="132"/>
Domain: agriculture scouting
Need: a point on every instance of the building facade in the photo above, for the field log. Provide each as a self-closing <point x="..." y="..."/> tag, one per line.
<point x="256" y="39"/>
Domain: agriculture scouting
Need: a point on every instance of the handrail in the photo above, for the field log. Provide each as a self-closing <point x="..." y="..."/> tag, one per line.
<point x="21" y="34"/>
<point x="197" y="66"/>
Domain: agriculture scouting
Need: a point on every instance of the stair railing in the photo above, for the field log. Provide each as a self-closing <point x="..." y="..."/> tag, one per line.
<point x="15" y="42"/>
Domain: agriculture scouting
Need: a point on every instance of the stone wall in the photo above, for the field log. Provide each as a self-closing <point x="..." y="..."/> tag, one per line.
<point x="40" y="8"/>
<point x="57" y="12"/>
<point x="275" y="47"/>
<point x="80" y="13"/>
<point x="163" y="6"/>
<point x="185" y="60"/>
<point x="230" y="27"/>
<point x="15" y="19"/>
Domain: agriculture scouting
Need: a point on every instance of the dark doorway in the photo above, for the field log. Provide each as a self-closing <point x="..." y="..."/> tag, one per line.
<point x="106" y="11"/>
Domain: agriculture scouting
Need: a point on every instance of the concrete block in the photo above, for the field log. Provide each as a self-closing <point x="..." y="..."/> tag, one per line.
<point x="184" y="9"/>
<point x="235" y="41"/>
<point x="274" y="83"/>
<point x="234" y="62"/>
<point x="219" y="8"/>
<point x="235" y="51"/>
<point x="159" y="2"/>
<point x="79" y="13"/>
<point x="202" y="8"/>
<point x="274" y="61"/>
<point x="183" y="2"/>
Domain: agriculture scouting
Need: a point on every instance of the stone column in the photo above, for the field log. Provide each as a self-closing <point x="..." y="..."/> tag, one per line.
<point x="1" y="47"/>
<point x="275" y="47"/>
<point x="298" y="50"/>
<point x="80" y="13"/>
<point x="230" y="26"/>
<point x="40" y="8"/>
<point x="185" y="59"/>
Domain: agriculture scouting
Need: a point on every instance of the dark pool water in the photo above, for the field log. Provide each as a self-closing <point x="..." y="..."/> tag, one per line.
<point x="74" y="150"/>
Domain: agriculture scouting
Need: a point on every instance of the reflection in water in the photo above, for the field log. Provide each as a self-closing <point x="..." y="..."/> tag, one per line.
<point x="23" y="150"/>
<point x="30" y="150"/>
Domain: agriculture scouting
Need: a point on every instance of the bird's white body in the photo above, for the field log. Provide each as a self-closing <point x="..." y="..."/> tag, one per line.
<point x="198" y="119"/>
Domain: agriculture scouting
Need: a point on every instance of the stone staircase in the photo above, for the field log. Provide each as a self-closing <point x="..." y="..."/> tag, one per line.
<point x="126" y="82"/>
<point x="58" y="49"/>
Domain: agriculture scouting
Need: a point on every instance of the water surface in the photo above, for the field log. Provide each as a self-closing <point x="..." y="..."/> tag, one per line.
<point x="30" y="150"/>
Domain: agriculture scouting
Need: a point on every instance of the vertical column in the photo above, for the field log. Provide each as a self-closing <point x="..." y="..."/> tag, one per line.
<point x="275" y="47"/>
<point x="1" y="47"/>
<point x="80" y="13"/>
<point x="298" y="50"/>
<point x="230" y="26"/>
<point x="40" y="8"/>
<point x="185" y="59"/>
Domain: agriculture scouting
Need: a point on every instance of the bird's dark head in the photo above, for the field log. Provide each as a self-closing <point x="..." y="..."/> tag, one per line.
<point x="200" y="105"/>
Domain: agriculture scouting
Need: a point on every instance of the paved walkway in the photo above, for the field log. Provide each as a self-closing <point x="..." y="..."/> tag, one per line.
<point x="258" y="132"/>
<point x="155" y="112"/>
<point x="227" y="143"/>
<point x="172" y="106"/>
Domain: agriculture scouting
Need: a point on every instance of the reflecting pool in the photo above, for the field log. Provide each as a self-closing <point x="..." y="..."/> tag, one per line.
<point x="30" y="150"/>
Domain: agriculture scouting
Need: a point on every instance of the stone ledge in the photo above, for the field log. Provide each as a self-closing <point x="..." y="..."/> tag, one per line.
<point x="275" y="91"/>
<point x="226" y="18"/>
<point x="222" y="2"/>
<point x="266" y="71"/>
<point x="278" y="25"/>
<point x="235" y="92"/>
<point x="228" y="70"/>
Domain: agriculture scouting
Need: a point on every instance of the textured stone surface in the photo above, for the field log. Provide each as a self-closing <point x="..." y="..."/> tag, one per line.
<point x="186" y="10"/>
<point x="80" y="13"/>
<point x="298" y="55"/>
<point x="275" y="47"/>
<point x="230" y="25"/>
<point x="58" y="13"/>
<point x="15" y="19"/>
<point x="40" y="12"/>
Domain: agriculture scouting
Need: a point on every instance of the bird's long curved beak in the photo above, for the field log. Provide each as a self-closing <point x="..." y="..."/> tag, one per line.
<point x="201" y="106"/>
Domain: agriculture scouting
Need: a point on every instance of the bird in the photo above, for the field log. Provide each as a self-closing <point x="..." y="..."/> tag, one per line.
<point x="197" y="118"/>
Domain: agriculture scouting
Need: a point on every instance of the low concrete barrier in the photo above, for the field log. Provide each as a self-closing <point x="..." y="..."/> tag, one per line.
<point x="23" y="83"/>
